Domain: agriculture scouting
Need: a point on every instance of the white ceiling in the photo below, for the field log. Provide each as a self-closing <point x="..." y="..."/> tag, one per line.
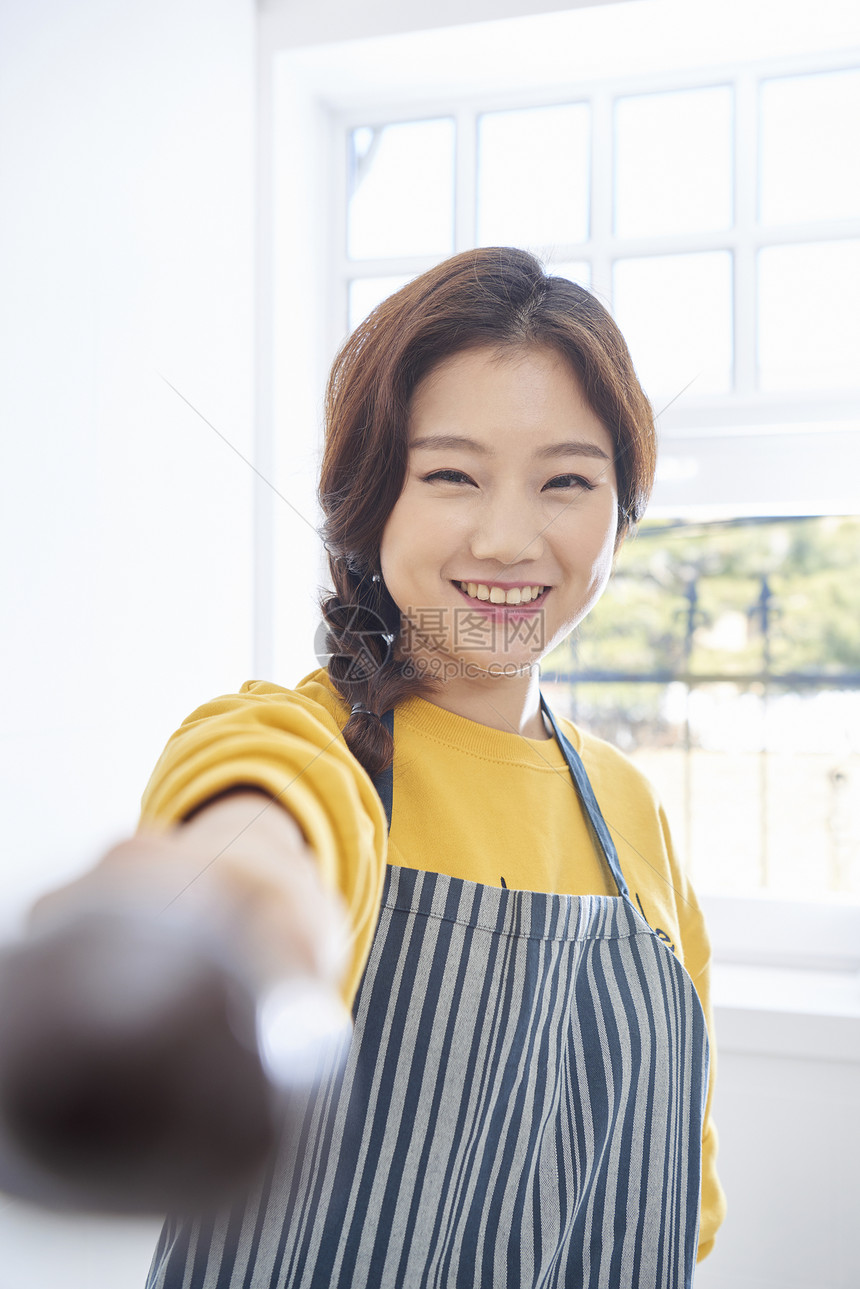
<point x="627" y="38"/>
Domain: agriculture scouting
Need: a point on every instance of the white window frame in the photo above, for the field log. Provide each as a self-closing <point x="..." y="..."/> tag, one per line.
<point x="796" y="426"/>
<point x="303" y="274"/>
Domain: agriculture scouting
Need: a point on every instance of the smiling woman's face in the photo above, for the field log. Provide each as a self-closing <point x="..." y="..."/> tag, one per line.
<point x="503" y="536"/>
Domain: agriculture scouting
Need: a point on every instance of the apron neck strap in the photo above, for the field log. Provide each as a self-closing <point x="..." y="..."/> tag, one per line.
<point x="583" y="787"/>
<point x="384" y="784"/>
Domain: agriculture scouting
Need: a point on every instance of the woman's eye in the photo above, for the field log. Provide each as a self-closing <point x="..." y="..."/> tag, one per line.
<point x="570" y="481"/>
<point x="447" y="476"/>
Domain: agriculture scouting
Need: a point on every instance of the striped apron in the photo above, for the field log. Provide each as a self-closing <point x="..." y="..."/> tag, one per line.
<point x="521" y="1105"/>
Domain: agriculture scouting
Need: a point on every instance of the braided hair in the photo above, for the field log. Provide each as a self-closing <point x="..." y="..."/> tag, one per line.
<point x="492" y="297"/>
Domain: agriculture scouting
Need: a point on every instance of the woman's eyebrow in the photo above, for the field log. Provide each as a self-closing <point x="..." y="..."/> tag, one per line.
<point x="574" y="448"/>
<point x="448" y="442"/>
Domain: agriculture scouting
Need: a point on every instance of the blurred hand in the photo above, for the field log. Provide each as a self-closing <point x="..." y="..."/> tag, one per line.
<point x="134" y="1072"/>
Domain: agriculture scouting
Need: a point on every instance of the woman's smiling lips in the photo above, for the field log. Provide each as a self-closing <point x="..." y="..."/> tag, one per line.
<point x="506" y="599"/>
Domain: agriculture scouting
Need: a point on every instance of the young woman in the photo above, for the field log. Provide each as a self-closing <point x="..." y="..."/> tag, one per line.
<point x="525" y="1098"/>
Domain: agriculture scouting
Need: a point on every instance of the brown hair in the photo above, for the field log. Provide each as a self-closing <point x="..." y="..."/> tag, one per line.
<point x="493" y="297"/>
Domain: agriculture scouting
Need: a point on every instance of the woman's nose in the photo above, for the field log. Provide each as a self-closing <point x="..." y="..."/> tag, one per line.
<point x="507" y="530"/>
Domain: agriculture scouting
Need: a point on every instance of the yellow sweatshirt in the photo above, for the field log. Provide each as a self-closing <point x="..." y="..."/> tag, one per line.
<point x="469" y="801"/>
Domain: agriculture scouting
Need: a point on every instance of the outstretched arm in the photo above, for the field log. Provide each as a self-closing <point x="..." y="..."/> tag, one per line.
<point x="130" y="1072"/>
<point x="240" y="867"/>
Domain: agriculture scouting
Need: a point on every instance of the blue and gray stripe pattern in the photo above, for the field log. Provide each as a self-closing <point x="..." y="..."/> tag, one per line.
<point x="521" y="1106"/>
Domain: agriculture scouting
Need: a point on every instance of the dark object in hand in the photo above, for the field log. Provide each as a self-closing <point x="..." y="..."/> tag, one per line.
<point x="130" y="1079"/>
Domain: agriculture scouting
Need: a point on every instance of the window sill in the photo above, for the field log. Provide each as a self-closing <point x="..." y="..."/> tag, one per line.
<point x="787" y="1012"/>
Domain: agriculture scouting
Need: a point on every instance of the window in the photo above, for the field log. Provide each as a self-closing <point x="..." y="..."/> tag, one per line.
<point x="725" y="659"/>
<point x="719" y="232"/>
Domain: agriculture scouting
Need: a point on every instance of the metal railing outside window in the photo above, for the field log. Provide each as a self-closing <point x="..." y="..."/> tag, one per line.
<point x="725" y="659"/>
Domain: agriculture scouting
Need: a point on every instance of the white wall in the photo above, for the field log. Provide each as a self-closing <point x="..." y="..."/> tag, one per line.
<point x="787" y="1106"/>
<point x="126" y="255"/>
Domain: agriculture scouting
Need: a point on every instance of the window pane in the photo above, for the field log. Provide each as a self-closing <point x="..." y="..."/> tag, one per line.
<point x="401" y="190"/>
<point x="725" y="659"/>
<point x="809" y="147"/>
<point x="809" y="322"/>
<point x="676" y="314"/>
<point x="366" y="293"/>
<point x="673" y="162"/>
<point x="533" y="176"/>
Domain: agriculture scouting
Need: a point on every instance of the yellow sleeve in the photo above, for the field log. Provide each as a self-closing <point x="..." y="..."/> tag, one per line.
<point x="697" y="960"/>
<point x="292" y="748"/>
<point x="713" y="1204"/>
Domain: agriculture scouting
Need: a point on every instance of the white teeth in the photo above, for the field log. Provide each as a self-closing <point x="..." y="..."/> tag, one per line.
<point x="498" y="595"/>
